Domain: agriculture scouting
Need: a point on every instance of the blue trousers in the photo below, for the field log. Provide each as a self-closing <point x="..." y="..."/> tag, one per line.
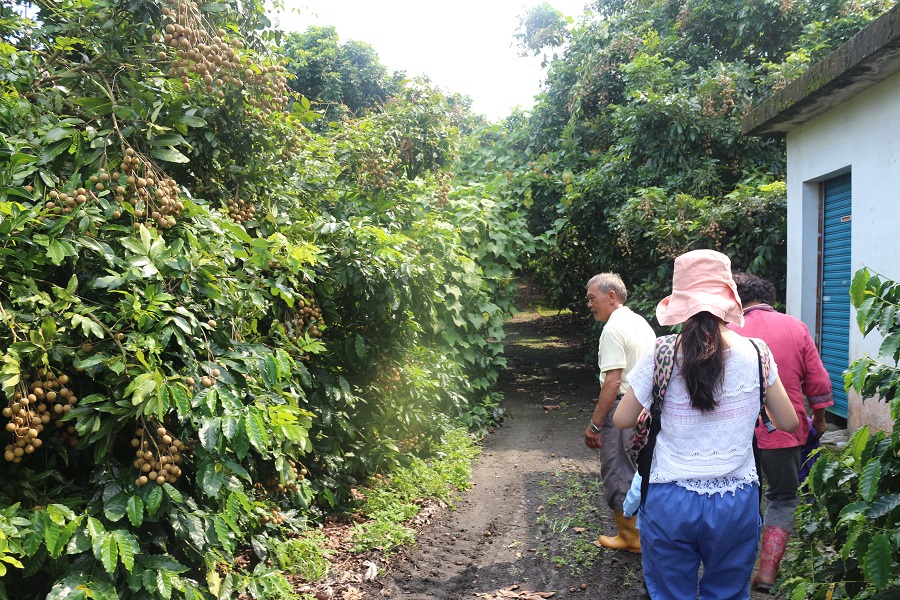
<point x="681" y="529"/>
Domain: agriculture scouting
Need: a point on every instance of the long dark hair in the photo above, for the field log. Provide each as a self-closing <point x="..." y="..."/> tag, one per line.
<point x="703" y="360"/>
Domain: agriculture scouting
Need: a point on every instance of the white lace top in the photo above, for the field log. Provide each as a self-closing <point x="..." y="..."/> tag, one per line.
<point x="707" y="453"/>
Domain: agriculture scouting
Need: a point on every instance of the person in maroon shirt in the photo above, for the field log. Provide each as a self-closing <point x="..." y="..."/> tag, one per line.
<point x="803" y="375"/>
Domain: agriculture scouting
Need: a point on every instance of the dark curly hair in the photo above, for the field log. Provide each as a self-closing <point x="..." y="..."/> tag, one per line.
<point x="754" y="289"/>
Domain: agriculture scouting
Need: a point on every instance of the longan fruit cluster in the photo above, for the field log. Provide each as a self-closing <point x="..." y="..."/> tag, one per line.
<point x="272" y="83"/>
<point x="389" y="378"/>
<point x="63" y="203"/>
<point x="274" y="485"/>
<point x="32" y="407"/>
<point x="154" y="198"/>
<point x="241" y="210"/>
<point x="376" y="172"/>
<point x="211" y="57"/>
<point x="411" y="442"/>
<point x="295" y="141"/>
<point x="275" y="517"/>
<point x="206" y="381"/>
<point x="158" y="455"/>
<point x="442" y="193"/>
<point x="308" y="318"/>
<point x="216" y="60"/>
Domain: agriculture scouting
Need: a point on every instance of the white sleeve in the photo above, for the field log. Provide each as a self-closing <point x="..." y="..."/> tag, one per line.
<point x="641" y="378"/>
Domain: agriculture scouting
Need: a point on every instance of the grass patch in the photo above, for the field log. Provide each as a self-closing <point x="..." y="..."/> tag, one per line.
<point x="394" y="501"/>
<point x="569" y="501"/>
<point x="306" y="555"/>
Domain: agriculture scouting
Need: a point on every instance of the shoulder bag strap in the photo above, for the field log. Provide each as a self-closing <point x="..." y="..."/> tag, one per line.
<point x="663" y="365"/>
<point x="763" y="378"/>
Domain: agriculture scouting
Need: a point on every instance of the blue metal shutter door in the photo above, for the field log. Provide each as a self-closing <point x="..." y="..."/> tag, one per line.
<point x="834" y="326"/>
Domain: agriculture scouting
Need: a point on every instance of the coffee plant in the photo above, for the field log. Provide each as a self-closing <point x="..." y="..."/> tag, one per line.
<point x="216" y="320"/>
<point x="849" y="526"/>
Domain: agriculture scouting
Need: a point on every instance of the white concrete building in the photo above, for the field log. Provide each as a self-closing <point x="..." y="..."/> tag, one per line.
<point x="842" y="125"/>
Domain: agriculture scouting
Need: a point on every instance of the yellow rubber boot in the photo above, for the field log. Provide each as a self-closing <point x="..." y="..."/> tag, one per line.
<point x="629" y="538"/>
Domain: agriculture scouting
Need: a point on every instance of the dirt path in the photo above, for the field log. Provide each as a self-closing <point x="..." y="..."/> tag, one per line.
<point x="535" y="506"/>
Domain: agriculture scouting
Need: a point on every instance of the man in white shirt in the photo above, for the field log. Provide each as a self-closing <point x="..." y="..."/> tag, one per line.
<point x="625" y="337"/>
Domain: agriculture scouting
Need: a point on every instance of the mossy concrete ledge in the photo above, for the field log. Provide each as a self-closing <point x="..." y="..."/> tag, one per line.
<point x="870" y="56"/>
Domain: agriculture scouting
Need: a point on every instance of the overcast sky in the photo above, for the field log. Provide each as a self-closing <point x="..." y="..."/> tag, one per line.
<point x="463" y="45"/>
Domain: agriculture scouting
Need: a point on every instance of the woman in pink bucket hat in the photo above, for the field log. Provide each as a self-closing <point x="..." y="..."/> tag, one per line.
<point x="702" y="499"/>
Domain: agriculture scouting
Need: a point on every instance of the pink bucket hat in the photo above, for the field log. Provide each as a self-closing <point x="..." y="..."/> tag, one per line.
<point x="702" y="282"/>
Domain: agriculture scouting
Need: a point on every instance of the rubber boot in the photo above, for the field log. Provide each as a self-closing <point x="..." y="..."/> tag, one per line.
<point x="629" y="538"/>
<point x="773" y="544"/>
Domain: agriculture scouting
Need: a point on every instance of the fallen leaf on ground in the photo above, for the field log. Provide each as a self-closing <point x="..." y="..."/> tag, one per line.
<point x="514" y="592"/>
<point x="579" y="529"/>
<point x="550" y="406"/>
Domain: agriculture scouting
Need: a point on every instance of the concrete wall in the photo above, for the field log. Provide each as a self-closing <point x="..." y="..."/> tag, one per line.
<point x="862" y="136"/>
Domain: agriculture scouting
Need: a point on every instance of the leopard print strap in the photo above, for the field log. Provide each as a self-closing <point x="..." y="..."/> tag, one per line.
<point x="663" y="365"/>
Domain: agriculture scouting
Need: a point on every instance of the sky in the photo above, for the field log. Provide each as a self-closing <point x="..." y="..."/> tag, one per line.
<point x="464" y="46"/>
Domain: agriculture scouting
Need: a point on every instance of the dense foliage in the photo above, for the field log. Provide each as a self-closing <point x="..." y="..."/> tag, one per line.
<point x="216" y="321"/>
<point x="850" y="527"/>
<point x="341" y="76"/>
<point x="634" y="152"/>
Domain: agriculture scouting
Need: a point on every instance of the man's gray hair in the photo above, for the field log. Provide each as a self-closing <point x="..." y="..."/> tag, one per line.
<point x="605" y="282"/>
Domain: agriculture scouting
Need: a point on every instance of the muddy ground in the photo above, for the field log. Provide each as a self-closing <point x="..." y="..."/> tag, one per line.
<point x="526" y="526"/>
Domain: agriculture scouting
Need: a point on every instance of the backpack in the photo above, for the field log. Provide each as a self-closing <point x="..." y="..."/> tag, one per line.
<point x="647" y="428"/>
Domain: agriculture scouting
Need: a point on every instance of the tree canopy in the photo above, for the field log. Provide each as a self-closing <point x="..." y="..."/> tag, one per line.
<point x="634" y="151"/>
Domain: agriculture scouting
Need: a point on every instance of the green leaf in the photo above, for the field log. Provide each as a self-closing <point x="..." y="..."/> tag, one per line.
<point x="857" y="443"/>
<point x="169" y="155"/>
<point x="211" y="477"/>
<point x="99" y="106"/>
<point x="52" y="533"/>
<point x="163" y="585"/>
<point x="103" y="590"/>
<point x="60" y="513"/>
<point x="883" y="505"/>
<point x="159" y="562"/>
<point x="255" y="427"/>
<point x="852" y="512"/>
<point x="142" y="386"/>
<point x="109" y="553"/>
<point x="868" y="482"/>
<point x="878" y="561"/>
<point x="56" y="134"/>
<point x="222" y="532"/>
<point x="154" y="499"/>
<point x="890" y="346"/>
<point x="127" y="546"/>
<point x="135" y="510"/>
<point x="48" y="153"/>
<point x="115" y="507"/>
<point x="192" y="121"/>
<point x="231" y="425"/>
<point x="173" y="493"/>
<point x="170" y="139"/>
<point x="208" y="433"/>
<point x="859" y="286"/>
